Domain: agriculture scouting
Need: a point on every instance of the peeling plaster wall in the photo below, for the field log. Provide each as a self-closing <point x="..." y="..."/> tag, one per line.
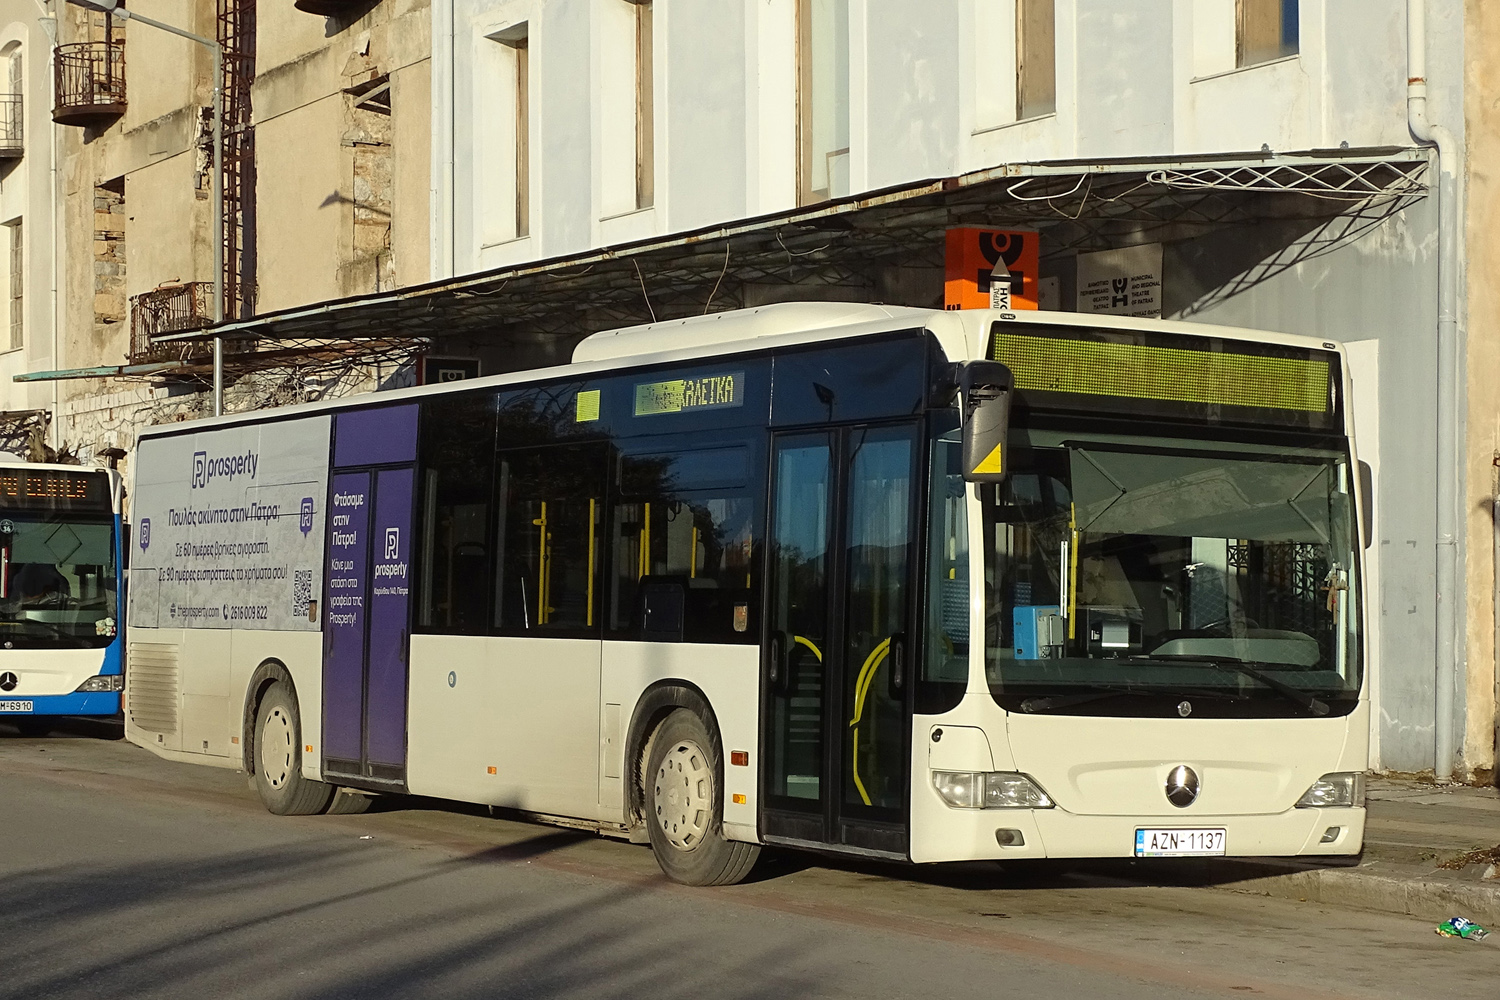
<point x="1482" y="368"/>
<point x="311" y="187"/>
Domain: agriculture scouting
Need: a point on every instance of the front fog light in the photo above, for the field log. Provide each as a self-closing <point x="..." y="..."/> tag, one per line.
<point x="1340" y="789"/>
<point x="989" y="790"/>
<point x="101" y="682"/>
<point x="957" y="788"/>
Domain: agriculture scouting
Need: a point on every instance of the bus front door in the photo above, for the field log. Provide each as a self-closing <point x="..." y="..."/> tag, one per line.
<point x="838" y="648"/>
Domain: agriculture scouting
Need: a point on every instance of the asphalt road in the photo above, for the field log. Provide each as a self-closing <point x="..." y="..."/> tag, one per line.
<point x="122" y="875"/>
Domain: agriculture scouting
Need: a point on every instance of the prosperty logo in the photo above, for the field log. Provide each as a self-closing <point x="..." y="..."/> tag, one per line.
<point x="223" y="467"/>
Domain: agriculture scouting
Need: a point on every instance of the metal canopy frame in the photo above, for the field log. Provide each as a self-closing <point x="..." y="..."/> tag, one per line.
<point x="1334" y="196"/>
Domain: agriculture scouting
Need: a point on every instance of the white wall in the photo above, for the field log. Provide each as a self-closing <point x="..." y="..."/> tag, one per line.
<point x="25" y="193"/>
<point x="931" y="94"/>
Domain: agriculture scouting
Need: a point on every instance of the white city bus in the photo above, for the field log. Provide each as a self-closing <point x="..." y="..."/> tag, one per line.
<point x="908" y="584"/>
<point x="61" y="651"/>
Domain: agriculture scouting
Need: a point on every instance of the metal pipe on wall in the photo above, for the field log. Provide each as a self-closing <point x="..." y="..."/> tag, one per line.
<point x="1448" y="464"/>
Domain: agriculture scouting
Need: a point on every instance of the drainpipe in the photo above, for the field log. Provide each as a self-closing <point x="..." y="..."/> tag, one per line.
<point x="1445" y="680"/>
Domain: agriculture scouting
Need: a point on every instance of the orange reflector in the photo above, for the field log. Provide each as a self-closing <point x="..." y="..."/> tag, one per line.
<point x="489" y="770"/>
<point x="739" y="799"/>
<point x="309" y="748"/>
<point x="234" y="739"/>
<point x="739" y="758"/>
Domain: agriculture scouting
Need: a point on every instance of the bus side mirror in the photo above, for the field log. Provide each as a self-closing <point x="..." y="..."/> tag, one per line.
<point x="985" y="390"/>
<point x="1366" y="502"/>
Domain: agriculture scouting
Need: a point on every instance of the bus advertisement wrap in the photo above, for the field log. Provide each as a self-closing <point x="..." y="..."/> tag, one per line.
<point x="229" y="528"/>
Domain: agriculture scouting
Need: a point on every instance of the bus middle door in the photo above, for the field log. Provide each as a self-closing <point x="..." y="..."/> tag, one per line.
<point x="367" y="623"/>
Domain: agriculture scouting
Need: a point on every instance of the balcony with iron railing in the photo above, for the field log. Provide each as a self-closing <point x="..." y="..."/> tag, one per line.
<point x="168" y="309"/>
<point x="89" y="82"/>
<point x="12" y="137"/>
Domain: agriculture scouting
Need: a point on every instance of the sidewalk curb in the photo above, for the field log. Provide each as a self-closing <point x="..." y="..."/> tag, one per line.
<point x="1430" y="895"/>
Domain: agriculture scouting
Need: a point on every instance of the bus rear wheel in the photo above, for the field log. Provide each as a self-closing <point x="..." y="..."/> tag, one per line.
<point x="278" y="758"/>
<point x="685" y="806"/>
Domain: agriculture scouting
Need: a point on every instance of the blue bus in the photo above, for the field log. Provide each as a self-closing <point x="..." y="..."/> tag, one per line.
<point x="61" y="650"/>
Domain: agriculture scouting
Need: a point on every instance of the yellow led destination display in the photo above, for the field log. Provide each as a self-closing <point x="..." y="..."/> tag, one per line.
<point x="1136" y="371"/>
<point x="678" y="395"/>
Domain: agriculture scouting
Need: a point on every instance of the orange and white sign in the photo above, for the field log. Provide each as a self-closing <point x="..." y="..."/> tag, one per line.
<point x="970" y="259"/>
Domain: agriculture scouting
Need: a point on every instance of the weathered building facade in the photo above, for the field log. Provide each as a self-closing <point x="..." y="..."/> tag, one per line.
<point x="324" y="189"/>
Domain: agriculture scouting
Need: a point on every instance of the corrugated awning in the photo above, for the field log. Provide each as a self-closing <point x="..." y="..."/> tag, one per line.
<point x="819" y="249"/>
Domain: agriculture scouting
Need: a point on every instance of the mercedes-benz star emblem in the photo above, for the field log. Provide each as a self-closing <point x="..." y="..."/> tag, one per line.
<point x="1184" y="708"/>
<point x="8" y="681"/>
<point x="1182" y="786"/>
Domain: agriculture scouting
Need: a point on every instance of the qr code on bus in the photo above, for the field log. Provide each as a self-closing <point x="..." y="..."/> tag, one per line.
<point x="301" y="591"/>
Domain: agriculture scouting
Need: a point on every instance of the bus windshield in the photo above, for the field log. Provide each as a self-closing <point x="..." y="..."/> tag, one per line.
<point x="57" y="580"/>
<point x="1136" y="575"/>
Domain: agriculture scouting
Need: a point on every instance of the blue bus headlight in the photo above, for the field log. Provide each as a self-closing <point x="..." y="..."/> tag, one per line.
<point x="102" y="682"/>
<point x="1341" y="788"/>
<point x="989" y="790"/>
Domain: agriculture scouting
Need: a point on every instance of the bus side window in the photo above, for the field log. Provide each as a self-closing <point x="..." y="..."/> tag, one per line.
<point x="456" y="484"/>
<point x="685" y="522"/>
<point x="551" y="505"/>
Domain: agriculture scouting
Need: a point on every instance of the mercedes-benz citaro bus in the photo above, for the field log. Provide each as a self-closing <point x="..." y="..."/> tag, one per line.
<point x="907" y="584"/>
<point x="60" y="643"/>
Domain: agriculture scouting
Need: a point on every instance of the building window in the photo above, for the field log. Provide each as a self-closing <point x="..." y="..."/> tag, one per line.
<point x="1264" y="30"/>
<point x="645" y="109"/>
<point x="502" y="129"/>
<point x="627" y="114"/>
<point x="1036" y="58"/>
<point x="12" y="103"/>
<point x="17" y="285"/>
<point x="1015" y="64"/>
<point x="822" y="99"/>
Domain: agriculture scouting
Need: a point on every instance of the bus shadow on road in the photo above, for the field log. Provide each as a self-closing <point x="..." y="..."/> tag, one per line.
<point x="1054" y="873"/>
<point x="36" y="727"/>
<point x="370" y="922"/>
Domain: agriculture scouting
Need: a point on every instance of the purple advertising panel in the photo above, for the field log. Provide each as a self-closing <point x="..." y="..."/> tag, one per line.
<point x="381" y="436"/>
<point x="344" y="618"/>
<point x="390" y="597"/>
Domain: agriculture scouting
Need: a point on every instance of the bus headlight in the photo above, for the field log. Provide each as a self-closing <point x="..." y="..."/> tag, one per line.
<point x="989" y="790"/>
<point x="1342" y="788"/>
<point x="102" y="682"/>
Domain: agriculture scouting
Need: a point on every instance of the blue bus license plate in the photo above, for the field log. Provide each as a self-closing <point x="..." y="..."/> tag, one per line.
<point x="15" y="706"/>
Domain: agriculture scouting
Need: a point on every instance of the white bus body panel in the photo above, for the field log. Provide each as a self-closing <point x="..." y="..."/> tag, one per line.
<point x="50" y="671"/>
<point x="528" y="708"/>
<point x="197" y="683"/>
<point x="476" y="705"/>
<point x="728" y="676"/>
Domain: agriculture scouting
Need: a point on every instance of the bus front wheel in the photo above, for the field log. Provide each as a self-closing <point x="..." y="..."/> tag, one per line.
<point x="278" y="758"/>
<point x="685" y="806"/>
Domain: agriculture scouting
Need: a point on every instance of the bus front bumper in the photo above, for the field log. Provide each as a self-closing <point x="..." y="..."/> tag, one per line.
<point x="1054" y="833"/>
<point x="77" y="703"/>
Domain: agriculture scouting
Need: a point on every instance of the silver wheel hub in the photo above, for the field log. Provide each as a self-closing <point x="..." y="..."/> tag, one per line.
<point x="277" y="750"/>
<point x="684" y="795"/>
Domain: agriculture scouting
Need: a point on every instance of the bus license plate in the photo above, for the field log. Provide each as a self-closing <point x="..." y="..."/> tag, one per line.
<point x="1178" y="843"/>
<point x="15" y="706"/>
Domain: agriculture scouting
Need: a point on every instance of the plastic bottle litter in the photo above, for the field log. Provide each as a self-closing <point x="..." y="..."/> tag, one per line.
<point x="1461" y="927"/>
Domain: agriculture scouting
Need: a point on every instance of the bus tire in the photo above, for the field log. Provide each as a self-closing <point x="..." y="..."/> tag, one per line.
<point x="348" y="802"/>
<point x="278" y="758"/>
<point x="685" y="806"/>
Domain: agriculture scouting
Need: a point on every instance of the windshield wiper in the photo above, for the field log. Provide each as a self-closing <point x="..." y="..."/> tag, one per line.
<point x="1051" y="702"/>
<point x="1230" y="664"/>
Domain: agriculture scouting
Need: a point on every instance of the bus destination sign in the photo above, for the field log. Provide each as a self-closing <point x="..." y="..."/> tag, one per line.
<point x="53" y="489"/>
<point x="710" y="392"/>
